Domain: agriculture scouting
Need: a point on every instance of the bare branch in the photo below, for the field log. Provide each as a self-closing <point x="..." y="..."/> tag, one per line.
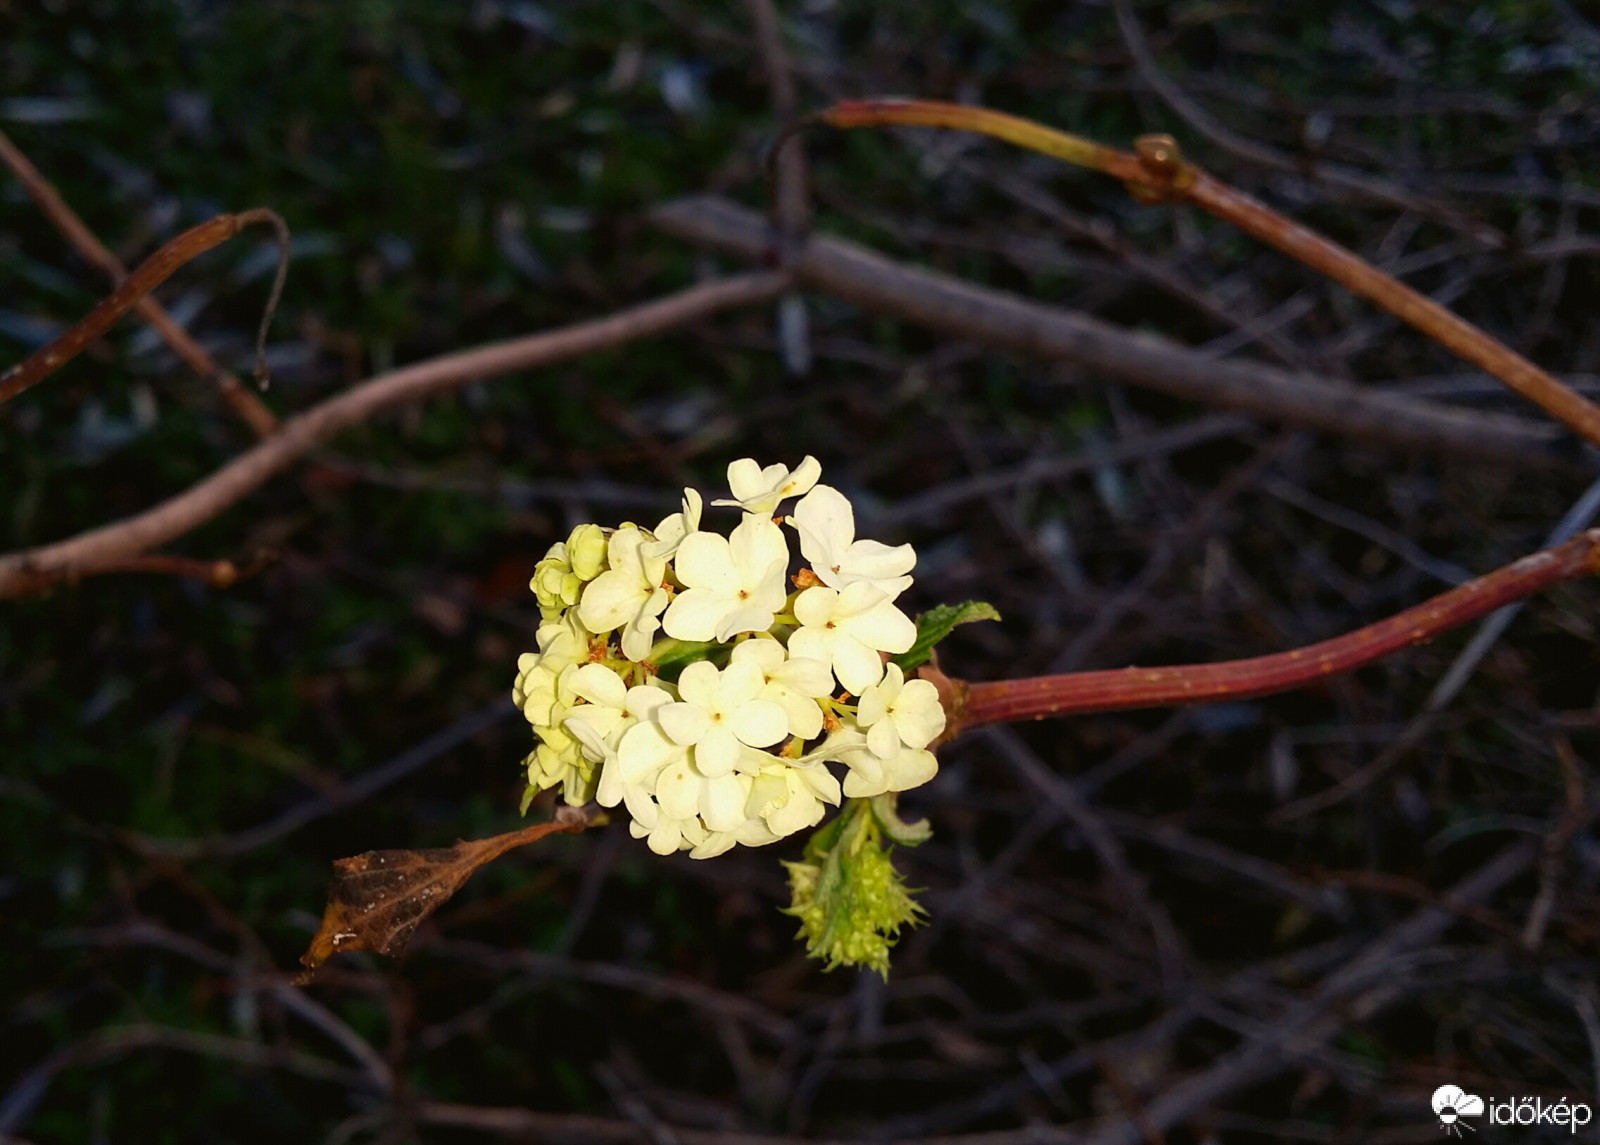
<point x="23" y="570"/>
<point x="93" y="251"/>
<point x="965" y="310"/>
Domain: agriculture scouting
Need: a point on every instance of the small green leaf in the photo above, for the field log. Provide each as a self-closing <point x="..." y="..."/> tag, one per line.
<point x="937" y="623"/>
<point x="671" y="657"/>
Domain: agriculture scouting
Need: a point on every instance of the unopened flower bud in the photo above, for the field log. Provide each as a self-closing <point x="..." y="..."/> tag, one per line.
<point x="586" y="552"/>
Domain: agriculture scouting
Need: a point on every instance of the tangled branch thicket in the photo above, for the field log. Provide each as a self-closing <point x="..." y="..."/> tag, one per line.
<point x="1284" y="919"/>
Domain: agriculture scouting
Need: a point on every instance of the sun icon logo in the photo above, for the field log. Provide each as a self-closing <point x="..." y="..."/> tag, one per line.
<point x="1451" y="1104"/>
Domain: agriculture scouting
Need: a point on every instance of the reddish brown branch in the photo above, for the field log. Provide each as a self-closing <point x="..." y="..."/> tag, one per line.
<point x="150" y="274"/>
<point x="1002" y="701"/>
<point x="1158" y="172"/>
<point x="1361" y="277"/>
<point x="216" y="574"/>
<point x="244" y="403"/>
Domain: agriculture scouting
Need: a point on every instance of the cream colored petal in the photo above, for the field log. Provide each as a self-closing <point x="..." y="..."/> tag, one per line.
<point x="874" y="559"/>
<point x="705" y="561"/>
<point x="802" y="713"/>
<point x="600" y="685"/>
<point x="804" y="675"/>
<point x="815" y="607"/>
<point x="611" y="599"/>
<point x="740" y="682"/>
<point x="678" y="791"/>
<point x="683" y="723"/>
<point x="857" y="666"/>
<point x="701" y="683"/>
<point x="826" y="524"/>
<point x="883" y="739"/>
<point x="813" y="643"/>
<point x="873" y="707"/>
<point x="715" y="843"/>
<point x="754" y="545"/>
<point x="722" y="801"/>
<point x="665" y="838"/>
<point x="820" y="782"/>
<point x="911" y="768"/>
<point x="862" y="785"/>
<point x="802" y="810"/>
<point x="883" y="627"/>
<point x="759" y="723"/>
<point x="643" y="699"/>
<point x="716" y="752"/>
<point x="765" y="654"/>
<point x="747" y="616"/>
<point x="919" y="717"/>
<point x="746" y="479"/>
<point x="695" y="613"/>
<point x="805" y="476"/>
<point x="644" y="750"/>
<point x="641" y="807"/>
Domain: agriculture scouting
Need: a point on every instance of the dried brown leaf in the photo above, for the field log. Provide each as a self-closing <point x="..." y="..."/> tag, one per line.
<point x="379" y="898"/>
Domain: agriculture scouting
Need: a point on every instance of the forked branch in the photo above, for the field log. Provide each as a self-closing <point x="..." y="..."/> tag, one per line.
<point x="1158" y="172"/>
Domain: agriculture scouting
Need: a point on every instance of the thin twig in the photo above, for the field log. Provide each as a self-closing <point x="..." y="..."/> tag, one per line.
<point x="203" y="501"/>
<point x="93" y="251"/>
<point x="148" y="275"/>
<point x="1450" y="684"/>
<point x="791" y="201"/>
<point x="1250" y="151"/>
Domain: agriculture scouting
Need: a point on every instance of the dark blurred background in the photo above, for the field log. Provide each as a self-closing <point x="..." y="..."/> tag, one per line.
<point x="1249" y="922"/>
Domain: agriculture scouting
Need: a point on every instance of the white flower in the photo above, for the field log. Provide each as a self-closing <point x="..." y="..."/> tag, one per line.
<point x="558" y="758"/>
<point x="827" y="527"/>
<point x="751" y="833"/>
<point x="897" y="711"/>
<point x="789" y="798"/>
<point x="628" y="594"/>
<point x="731" y="584"/>
<point x="600" y="724"/>
<point x="562" y="641"/>
<point x="670" y="533"/>
<point x="757" y="490"/>
<point x="684" y="791"/>
<point x="794" y="684"/>
<point x="664" y="833"/>
<point x="847" y="629"/>
<point x="870" y="773"/>
<point x="718" y="712"/>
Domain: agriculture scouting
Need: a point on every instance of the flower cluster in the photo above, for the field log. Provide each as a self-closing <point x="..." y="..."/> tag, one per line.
<point x="680" y="676"/>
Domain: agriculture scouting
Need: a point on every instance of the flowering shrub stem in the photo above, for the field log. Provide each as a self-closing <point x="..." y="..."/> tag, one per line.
<point x="1003" y="701"/>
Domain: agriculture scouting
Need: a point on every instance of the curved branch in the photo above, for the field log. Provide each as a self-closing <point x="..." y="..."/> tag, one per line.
<point x="148" y="275"/>
<point x="108" y="544"/>
<point x="1002" y="701"/>
<point x="1159" y="172"/>
<point x="49" y="201"/>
